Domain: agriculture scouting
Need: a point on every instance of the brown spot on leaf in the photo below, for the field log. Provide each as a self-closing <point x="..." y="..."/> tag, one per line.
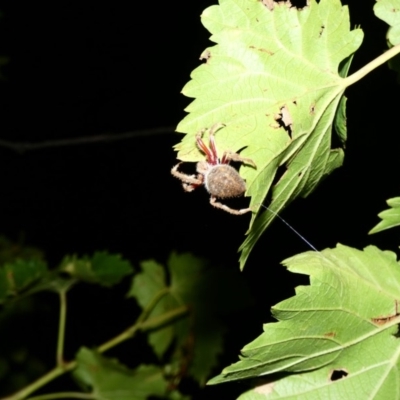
<point x="286" y="117"/>
<point x="271" y="53"/>
<point x="262" y="50"/>
<point x="312" y="109"/>
<point x="205" y="55"/>
<point x="330" y="334"/>
<point x="269" y="4"/>
<point x="383" y="320"/>
<point x="387" y="318"/>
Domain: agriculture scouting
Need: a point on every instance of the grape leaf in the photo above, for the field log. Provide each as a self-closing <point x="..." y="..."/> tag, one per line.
<point x="389" y="11"/>
<point x="345" y="320"/>
<point x="27" y="276"/>
<point x="22" y="268"/>
<point x="110" y="380"/>
<point x="273" y="80"/>
<point x="322" y="384"/>
<point x="390" y="218"/>
<point x="149" y="284"/>
<point x="208" y="292"/>
<point x="20" y="275"/>
<point x="102" y="268"/>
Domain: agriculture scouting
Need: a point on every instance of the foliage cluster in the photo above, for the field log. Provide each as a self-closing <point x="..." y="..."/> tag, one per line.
<point x="276" y="80"/>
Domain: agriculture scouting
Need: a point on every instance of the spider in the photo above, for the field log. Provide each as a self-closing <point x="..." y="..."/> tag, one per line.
<point x="220" y="179"/>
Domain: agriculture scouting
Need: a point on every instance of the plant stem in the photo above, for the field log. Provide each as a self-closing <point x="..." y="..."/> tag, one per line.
<point x="61" y="328"/>
<point x="152" y="323"/>
<point x="43" y="380"/>
<point x="63" y="395"/>
<point x="61" y="369"/>
<point x="366" y="69"/>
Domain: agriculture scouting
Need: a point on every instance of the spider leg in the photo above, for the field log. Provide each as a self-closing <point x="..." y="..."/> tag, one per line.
<point x="210" y="156"/>
<point x="190" y="182"/>
<point x="187" y="187"/>
<point x="200" y="134"/>
<point x="217" y="204"/>
<point x="213" y="130"/>
<point x="211" y="153"/>
<point x="230" y="156"/>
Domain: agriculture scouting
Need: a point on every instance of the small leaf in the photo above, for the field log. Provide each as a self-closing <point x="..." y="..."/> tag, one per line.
<point x="102" y="268"/>
<point x="390" y="218"/>
<point x="110" y="380"/>
<point x="208" y="292"/>
<point x="270" y="67"/>
<point x="389" y="11"/>
<point x="149" y="282"/>
<point x="19" y="276"/>
<point x="146" y="286"/>
<point x="337" y="334"/>
<point x="322" y="384"/>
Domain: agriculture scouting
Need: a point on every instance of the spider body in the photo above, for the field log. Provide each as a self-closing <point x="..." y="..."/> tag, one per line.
<point x="220" y="179"/>
<point x="223" y="181"/>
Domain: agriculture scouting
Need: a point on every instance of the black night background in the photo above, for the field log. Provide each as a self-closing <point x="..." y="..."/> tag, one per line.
<point x="82" y="70"/>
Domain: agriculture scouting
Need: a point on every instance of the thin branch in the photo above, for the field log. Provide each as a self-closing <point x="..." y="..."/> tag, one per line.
<point x="21" y="147"/>
<point x="140" y="325"/>
<point x="61" y="327"/>
<point x="65" y="395"/>
<point x="366" y="69"/>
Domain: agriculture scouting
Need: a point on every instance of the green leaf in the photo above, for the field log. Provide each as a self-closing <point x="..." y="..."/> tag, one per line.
<point x="345" y="320"/>
<point x="273" y="80"/>
<point x="200" y="338"/>
<point x="208" y="292"/>
<point x="389" y="11"/>
<point x="147" y="285"/>
<point x="390" y="218"/>
<point x="102" y="268"/>
<point x="110" y="380"/>
<point x="340" y="121"/>
<point x="19" y="276"/>
<point x="318" y="385"/>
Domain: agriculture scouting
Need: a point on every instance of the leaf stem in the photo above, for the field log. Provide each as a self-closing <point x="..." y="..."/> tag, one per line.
<point x="61" y="327"/>
<point x="64" y="395"/>
<point x="140" y="324"/>
<point x="366" y="69"/>
<point x="43" y="380"/>
<point x="151" y="323"/>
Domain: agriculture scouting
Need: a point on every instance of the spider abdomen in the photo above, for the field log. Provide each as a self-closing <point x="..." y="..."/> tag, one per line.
<point x="224" y="181"/>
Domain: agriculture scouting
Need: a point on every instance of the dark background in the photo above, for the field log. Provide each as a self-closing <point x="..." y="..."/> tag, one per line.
<point x="84" y="70"/>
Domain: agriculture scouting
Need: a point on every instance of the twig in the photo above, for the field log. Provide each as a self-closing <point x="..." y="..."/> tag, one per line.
<point x="21" y="147"/>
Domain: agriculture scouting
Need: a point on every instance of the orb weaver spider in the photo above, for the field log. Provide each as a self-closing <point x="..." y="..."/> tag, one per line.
<point x="220" y="179"/>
